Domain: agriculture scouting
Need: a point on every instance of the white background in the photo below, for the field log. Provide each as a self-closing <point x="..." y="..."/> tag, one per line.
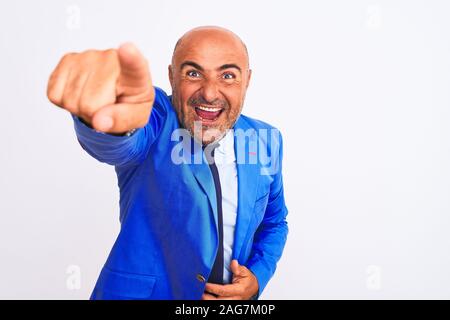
<point x="359" y="90"/>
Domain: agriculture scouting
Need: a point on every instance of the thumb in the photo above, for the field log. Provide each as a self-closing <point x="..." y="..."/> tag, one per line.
<point x="235" y="267"/>
<point x="122" y="117"/>
<point x="134" y="76"/>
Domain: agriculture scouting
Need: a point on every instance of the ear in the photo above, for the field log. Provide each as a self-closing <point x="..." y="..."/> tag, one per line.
<point x="170" y="76"/>
<point x="248" y="78"/>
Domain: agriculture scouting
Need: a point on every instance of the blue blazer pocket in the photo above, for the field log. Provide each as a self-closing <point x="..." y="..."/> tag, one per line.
<point x="115" y="285"/>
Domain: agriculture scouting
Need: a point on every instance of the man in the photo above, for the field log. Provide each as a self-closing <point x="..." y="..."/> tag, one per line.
<point x="190" y="229"/>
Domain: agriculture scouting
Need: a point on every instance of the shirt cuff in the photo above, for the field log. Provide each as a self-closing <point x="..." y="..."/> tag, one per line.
<point x="83" y="129"/>
<point x="127" y="134"/>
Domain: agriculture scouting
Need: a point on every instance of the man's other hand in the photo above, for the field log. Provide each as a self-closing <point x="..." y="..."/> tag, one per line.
<point x="244" y="285"/>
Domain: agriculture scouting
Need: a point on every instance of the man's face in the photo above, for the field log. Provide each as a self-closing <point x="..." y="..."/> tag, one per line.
<point x="209" y="77"/>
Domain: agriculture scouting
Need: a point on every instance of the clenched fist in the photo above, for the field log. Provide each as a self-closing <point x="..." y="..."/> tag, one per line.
<point x="111" y="90"/>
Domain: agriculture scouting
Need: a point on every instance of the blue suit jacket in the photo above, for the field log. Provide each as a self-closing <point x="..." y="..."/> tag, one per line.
<point x="168" y="237"/>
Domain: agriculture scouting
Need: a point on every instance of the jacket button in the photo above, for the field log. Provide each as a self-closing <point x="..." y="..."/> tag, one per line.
<point x="200" y="278"/>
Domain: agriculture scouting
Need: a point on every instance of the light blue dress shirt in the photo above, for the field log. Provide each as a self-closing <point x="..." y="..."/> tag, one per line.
<point x="225" y="160"/>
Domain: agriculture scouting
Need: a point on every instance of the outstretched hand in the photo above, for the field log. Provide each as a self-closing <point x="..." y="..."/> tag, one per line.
<point x="111" y="90"/>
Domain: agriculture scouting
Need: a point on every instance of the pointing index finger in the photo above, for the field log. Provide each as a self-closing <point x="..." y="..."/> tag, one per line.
<point x="134" y="71"/>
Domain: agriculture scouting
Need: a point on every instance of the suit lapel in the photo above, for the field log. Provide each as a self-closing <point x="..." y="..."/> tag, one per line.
<point x="248" y="172"/>
<point x="202" y="173"/>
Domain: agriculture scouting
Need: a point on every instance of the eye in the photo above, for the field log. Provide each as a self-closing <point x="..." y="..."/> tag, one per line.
<point x="228" y="76"/>
<point x="193" y="74"/>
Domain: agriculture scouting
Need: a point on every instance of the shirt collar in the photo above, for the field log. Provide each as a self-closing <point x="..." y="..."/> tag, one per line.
<point x="224" y="153"/>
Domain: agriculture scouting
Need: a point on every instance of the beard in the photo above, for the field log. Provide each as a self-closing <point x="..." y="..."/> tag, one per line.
<point x="205" y="132"/>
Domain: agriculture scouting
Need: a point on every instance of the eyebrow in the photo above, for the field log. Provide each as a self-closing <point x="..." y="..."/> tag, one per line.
<point x="192" y="64"/>
<point x="199" y="67"/>
<point x="230" y="65"/>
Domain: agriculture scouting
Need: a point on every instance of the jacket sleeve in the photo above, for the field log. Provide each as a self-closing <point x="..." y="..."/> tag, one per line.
<point x="121" y="150"/>
<point x="271" y="235"/>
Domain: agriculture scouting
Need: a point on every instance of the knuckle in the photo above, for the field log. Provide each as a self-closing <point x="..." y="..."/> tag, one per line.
<point x="69" y="105"/>
<point x="68" y="56"/>
<point x="89" y="53"/>
<point x="97" y="60"/>
<point x="94" y="57"/>
<point x="112" y="60"/>
<point x="53" y="97"/>
<point x="105" y="55"/>
<point x="110" y="53"/>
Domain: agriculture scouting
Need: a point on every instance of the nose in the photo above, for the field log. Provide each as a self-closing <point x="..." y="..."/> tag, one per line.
<point x="210" y="91"/>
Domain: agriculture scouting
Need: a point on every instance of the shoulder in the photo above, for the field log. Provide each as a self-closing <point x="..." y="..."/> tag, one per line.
<point x="162" y="100"/>
<point x="263" y="129"/>
<point x="269" y="136"/>
<point x="255" y="123"/>
<point x="162" y="106"/>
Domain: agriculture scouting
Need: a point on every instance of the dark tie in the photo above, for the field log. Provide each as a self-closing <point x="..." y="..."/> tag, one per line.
<point x="216" y="275"/>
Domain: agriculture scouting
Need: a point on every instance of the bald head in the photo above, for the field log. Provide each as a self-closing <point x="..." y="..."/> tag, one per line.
<point x="213" y="34"/>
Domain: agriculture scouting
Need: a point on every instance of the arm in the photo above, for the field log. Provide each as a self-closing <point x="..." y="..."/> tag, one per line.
<point x="271" y="235"/>
<point x="120" y="149"/>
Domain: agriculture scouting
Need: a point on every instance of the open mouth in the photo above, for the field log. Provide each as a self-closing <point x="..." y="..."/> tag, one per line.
<point x="208" y="113"/>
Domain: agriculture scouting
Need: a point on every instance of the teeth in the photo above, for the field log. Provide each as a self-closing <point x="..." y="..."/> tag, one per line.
<point x="208" y="109"/>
